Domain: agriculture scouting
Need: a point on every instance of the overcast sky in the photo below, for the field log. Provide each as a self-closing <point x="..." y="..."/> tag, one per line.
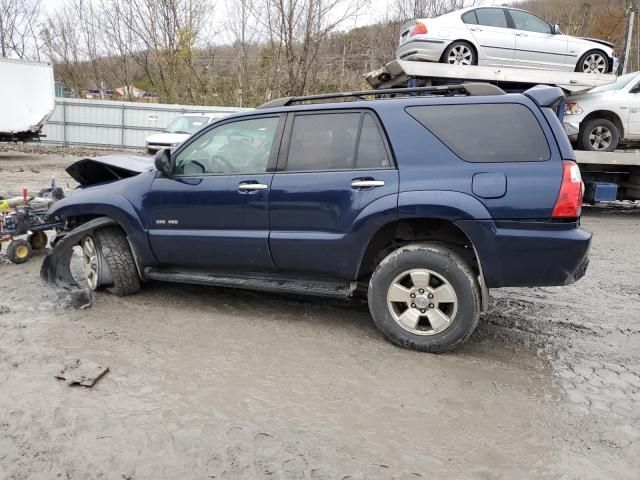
<point x="376" y="11"/>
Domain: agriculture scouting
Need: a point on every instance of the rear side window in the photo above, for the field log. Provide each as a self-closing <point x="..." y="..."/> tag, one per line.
<point x="502" y="132"/>
<point x="336" y="141"/>
<point x="470" y="18"/>
<point x="492" y="17"/>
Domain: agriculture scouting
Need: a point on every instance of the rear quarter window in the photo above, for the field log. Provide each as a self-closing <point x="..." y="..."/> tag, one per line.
<point x="487" y="133"/>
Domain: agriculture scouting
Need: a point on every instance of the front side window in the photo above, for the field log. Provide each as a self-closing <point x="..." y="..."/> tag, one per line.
<point x="501" y="132"/>
<point x="336" y="141"/>
<point x="240" y="147"/>
<point x="529" y="22"/>
<point x="492" y="17"/>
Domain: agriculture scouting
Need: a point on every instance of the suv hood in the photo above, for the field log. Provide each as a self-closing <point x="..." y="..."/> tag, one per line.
<point x="91" y="171"/>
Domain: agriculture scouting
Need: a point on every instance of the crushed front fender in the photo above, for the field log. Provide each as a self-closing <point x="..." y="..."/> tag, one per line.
<point x="56" y="268"/>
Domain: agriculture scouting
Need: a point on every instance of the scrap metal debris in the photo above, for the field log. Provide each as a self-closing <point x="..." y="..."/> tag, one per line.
<point x="81" y="372"/>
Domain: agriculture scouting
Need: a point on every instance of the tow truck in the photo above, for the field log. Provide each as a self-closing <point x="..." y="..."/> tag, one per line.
<point x="608" y="176"/>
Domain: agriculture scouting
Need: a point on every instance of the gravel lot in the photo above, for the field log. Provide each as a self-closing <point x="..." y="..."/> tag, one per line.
<point x="214" y="383"/>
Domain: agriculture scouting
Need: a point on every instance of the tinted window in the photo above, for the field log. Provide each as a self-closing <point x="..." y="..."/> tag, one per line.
<point x="486" y="133"/>
<point x="529" y="22"/>
<point x="470" y="18"/>
<point x="323" y="142"/>
<point x="238" y="147"/>
<point x="372" y="152"/>
<point x="492" y="17"/>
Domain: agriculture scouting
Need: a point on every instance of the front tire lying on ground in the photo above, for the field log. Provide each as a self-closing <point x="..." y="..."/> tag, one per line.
<point x="424" y="297"/>
<point x="109" y="262"/>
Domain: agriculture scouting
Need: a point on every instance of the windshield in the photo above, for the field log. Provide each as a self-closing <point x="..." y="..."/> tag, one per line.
<point x="619" y="84"/>
<point x="187" y="124"/>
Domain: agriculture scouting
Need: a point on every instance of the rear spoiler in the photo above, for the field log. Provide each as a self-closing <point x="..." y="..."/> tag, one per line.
<point x="548" y="97"/>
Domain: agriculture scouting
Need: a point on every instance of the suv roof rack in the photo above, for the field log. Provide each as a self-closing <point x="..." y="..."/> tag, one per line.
<point x="474" y="89"/>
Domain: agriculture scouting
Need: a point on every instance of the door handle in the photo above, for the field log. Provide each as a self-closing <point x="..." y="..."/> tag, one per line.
<point x="475" y="29"/>
<point x="247" y="187"/>
<point x="367" y="183"/>
<point x="521" y="35"/>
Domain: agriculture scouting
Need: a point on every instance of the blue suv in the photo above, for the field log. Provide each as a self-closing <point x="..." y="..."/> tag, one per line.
<point x="419" y="199"/>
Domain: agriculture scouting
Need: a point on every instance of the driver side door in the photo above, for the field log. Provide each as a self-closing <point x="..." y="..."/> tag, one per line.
<point x="213" y="212"/>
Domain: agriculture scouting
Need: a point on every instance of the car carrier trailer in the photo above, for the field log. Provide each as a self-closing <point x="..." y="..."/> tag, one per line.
<point x="607" y="176"/>
<point x="404" y="73"/>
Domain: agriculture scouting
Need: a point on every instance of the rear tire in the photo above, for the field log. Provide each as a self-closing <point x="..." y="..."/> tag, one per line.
<point x="599" y="135"/>
<point x="116" y="253"/>
<point x="424" y="297"/>
<point x="460" y="53"/>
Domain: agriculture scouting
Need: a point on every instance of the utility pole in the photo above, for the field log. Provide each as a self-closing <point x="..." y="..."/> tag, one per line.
<point x="631" y="16"/>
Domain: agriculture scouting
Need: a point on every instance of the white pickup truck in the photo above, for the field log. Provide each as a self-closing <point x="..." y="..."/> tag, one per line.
<point x="27" y="98"/>
<point x="606" y="116"/>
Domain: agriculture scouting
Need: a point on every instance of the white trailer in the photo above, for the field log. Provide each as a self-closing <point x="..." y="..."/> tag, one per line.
<point x="401" y="73"/>
<point x="27" y="98"/>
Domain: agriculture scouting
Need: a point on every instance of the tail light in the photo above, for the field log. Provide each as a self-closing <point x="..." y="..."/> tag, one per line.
<point x="569" y="202"/>
<point x="418" y="29"/>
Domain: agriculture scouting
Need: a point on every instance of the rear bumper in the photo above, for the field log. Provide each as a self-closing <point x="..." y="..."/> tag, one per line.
<point x="423" y="50"/>
<point x="529" y="254"/>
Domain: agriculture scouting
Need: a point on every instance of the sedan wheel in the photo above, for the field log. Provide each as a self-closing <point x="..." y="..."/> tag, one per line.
<point x="459" y="53"/>
<point x="594" y="62"/>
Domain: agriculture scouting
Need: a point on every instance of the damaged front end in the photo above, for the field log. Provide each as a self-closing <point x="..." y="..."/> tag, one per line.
<point x="56" y="268"/>
<point x="96" y="197"/>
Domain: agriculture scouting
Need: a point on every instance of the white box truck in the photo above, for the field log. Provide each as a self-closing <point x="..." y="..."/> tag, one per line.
<point x="27" y="98"/>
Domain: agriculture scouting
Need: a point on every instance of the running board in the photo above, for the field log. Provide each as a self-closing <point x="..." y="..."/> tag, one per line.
<point x="254" y="281"/>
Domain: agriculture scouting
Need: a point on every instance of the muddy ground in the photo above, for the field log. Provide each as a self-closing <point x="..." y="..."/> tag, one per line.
<point x="214" y="383"/>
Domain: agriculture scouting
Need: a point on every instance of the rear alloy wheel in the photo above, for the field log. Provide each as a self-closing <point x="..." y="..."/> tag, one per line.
<point x="593" y="62"/>
<point x="460" y="53"/>
<point x="424" y="297"/>
<point x="599" y="135"/>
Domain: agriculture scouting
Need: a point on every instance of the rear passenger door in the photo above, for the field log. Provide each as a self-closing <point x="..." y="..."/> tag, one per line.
<point x="335" y="184"/>
<point x="492" y="33"/>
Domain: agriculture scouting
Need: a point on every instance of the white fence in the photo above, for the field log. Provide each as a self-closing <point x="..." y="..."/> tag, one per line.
<point x="113" y="124"/>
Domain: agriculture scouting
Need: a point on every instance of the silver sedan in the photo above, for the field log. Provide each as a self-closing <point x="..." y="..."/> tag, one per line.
<point x="498" y="36"/>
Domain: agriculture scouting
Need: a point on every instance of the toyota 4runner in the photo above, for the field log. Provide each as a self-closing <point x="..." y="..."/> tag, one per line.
<point x="419" y="199"/>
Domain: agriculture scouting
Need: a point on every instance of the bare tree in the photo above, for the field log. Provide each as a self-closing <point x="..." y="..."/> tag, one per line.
<point x="405" y="10"/>
<point x="18" y="24"/>
<point x="297" y="30"/>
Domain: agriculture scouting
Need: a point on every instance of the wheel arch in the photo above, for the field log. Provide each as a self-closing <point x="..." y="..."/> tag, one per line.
<point x="402" y="232"/>
<point x="608" y="115"/>
<point x="594" y="50"/>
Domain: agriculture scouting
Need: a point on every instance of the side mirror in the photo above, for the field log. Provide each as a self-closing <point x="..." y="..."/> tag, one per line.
<point x="555" y="29"/>
<point x="164" y="163"/>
